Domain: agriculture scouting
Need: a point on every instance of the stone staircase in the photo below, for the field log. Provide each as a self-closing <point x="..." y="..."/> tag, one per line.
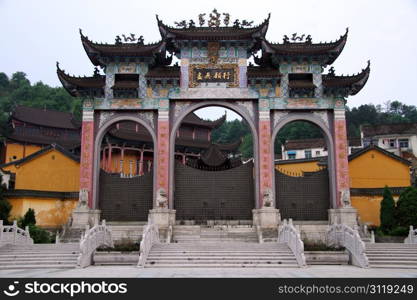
<point x="392" y="255"/>
<point x="221" y="255"/>
<point x="217" y="233"/>
<point x="72" y="235"/>
<point x="39" y="256"/>
<point x="218" y="246"/>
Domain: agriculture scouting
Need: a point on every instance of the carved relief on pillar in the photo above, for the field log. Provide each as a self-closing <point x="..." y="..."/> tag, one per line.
<point x="248" y="107"/>
<point x="317" y="81"/>
<point x="148" y="117"/>
<point x="104" y="116"/>
<point x="278" y="115"/>
<point x="179" y="106"/>
<point x="87" y="152"/>
<point x="163" y="152"/>
<point x="341" y="159"/>
<point x="265" y="156"/>
<point x="323" y="115"/>
<point x="284" y="86"/>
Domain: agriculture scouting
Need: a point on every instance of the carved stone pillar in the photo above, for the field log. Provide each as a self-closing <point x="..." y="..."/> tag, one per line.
<point x="87" y="153"/>
<point x="162" y="214"/>
<point x="341" y="159"/>
<point x="265" y="215"/>
<point x="163" y="152"/>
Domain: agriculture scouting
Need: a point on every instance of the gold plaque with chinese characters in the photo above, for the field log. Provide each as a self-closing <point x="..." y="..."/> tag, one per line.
<point x="208" y="73"/>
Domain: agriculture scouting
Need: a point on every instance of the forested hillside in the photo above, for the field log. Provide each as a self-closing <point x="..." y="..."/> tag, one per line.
<point x="17" y="90"/>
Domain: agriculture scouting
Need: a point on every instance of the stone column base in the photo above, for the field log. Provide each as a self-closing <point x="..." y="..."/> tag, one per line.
<point x="82" y="216"/>
<point x="345" y="215"/>
<point x="266" y="217"/>
<point x="163" y="217"/>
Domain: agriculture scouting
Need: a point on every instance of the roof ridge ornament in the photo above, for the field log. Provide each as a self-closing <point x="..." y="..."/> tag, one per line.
<point x="214" y="20"/>
<point x="129" y="39"/>
<point x="295" y="38"/>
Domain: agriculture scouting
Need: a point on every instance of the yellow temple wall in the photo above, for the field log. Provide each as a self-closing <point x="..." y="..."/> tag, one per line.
<point x="49" y="212"/>
<point x="51" y="171"/>
<point x="19" y="151"/>
<point x="374" y="169"/>
<point x="309" y="166"/>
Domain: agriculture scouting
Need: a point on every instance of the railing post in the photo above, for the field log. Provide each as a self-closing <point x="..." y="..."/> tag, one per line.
<point x="1" y="230"/>
<point x="27" y="231"/>
<point x="14" y="231"/>
<point x="372" y="237"/>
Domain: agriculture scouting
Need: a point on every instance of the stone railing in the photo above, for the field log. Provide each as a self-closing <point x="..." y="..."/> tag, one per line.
<point x="288" y="234"/>
<point x="150" y="237"/>
<point x="99" y="235"/>
<point x="13" y="235"/>
<point x="259" y="234"/>
<point x="412" y="236"/>
<point x="169" y="234"/>
<point x="344" y="236"/>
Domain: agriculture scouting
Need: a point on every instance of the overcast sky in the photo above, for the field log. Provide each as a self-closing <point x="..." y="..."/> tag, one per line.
<point x="36" y="34"/>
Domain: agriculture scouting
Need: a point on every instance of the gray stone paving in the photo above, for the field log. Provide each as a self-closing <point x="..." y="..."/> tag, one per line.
<point x="133" y="272"/>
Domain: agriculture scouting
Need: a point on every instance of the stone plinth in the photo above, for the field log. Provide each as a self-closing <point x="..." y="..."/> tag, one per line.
<point x="163" y="217"/>
<point x="82" y="216"/>
<point x="266" y="217"/>
<point x="345" y="215"/>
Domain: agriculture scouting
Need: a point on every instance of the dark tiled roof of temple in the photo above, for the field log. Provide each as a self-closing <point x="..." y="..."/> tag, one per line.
<point x="389" y="129"/>
<point x="75" y="84"/>
<point x="214" y="33"/>
<point x="315" y="143"/>
<point x="47" y="118"/>
<point x="96" y="50"/>
<point x="325" y="52"/>
<point x="352" y="83"/>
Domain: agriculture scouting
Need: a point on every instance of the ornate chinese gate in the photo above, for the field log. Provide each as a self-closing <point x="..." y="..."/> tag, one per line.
<point x="214" y="195"/>
<point x="287" y="83"/>
<point x="303" y="197"/>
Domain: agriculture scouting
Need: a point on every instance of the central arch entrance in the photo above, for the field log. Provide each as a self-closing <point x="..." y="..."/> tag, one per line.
<point x="213" y="181"/>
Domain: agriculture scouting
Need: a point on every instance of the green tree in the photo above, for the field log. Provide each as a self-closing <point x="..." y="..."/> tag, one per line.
<point x="406" y="210"/>
<point x="5" y="206"/>
<point x="387" y="212"/>
<point x="29" y="218"/>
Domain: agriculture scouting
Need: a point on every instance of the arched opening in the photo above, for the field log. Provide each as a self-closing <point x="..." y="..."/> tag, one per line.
<point x="303" y="163"/>
<point x="124" y="170"/>
<point x="213" y="173"/>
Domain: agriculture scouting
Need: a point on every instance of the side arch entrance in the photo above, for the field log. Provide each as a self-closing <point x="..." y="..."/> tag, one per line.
<point x="123" y="179"/>
<point x="306" y="195"/>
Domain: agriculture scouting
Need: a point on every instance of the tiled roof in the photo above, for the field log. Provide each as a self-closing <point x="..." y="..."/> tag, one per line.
<point x="43" y="117"/>
<point x="213" y="33"/>
<point x="327" y="52"/>
<point x="389" y="129"/>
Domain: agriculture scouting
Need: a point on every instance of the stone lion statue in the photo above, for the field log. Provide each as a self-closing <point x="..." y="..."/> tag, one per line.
<point x="345" y="197"/>
<point x="267" y="198"/>
<point x="83" y="199"/>
<point x="161" y="198"/>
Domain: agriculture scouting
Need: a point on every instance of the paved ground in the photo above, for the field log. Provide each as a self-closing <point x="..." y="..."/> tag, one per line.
<point x="130" y="271"/>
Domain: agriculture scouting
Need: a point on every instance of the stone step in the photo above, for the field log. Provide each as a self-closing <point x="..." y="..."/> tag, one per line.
<point x="220" y="262"/>
<point x="392" y="266"/>
<point x="39" y="261"/>
<point x="37" y="266"/>
<point x="19" y="256"/>
<point x="393" y="258"/>
<point x="394" y="262"/>
<point x="224" y="265"/>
